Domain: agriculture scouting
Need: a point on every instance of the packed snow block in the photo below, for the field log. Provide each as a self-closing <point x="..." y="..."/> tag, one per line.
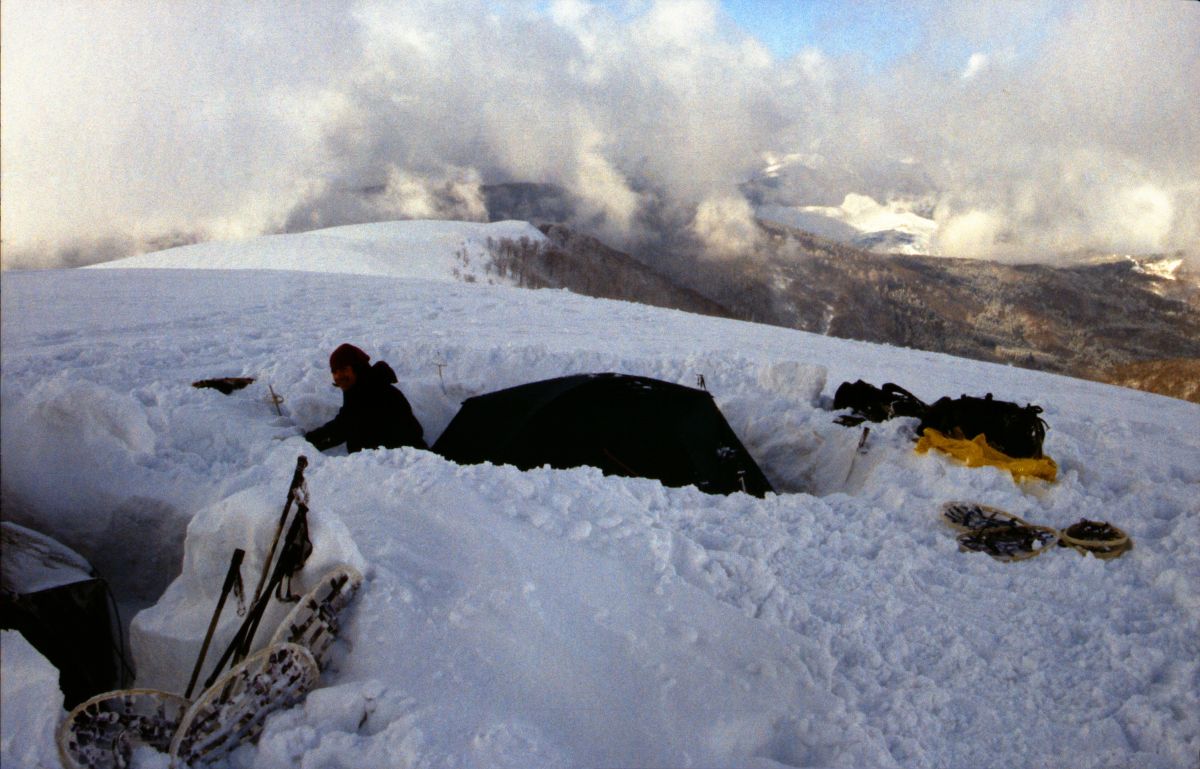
<point x="794" y="380"/>
<point x="55" y="599"/>
<point x="33" y="705"/>
<point x="166" y="638"/>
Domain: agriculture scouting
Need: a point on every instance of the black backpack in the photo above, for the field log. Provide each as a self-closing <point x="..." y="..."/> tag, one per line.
<point x="1014" y="430"/>
<point x="875" y="404"/>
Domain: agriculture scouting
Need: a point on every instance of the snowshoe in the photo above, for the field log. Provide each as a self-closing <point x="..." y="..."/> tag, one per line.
<point x="232" y="711"/>
<point x="1101" y="539"/>
<point x="971" y="516"/>
<point x="103" y="732"/>
<point x="315" y="621"/>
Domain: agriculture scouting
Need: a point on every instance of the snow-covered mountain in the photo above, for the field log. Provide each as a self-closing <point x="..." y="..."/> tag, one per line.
<point x="890" y="213"/>
<point x="860" y="221"/>
<point x="564" y="618"/>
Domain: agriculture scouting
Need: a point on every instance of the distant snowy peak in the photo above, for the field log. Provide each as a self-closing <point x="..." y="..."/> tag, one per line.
<point x="861" y="221"/>
<point x="1162" y="266"/>
<point x="777" y="164"/>
<point x="435" y="250"/>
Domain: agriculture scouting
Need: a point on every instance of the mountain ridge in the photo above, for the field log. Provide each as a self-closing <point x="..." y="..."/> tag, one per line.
<point x="1094" y="320"/>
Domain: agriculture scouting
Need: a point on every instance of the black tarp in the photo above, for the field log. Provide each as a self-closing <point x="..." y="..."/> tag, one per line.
<point x="624" y="425"/>
<point x="53" y="597"/>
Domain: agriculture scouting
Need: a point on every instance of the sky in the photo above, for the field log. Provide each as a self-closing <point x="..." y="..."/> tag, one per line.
<point x="787" y="28"/>
<point x="1024" y="129"/>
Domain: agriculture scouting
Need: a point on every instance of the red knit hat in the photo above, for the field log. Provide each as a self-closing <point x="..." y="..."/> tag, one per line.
<point x="348" y="355"/>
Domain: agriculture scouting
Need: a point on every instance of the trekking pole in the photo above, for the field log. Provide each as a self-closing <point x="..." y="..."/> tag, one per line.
<point x="283" y="569"/>
<point x="232" y="576"/>
<point x="242" y="640"/>
<point x="297" y="483"/>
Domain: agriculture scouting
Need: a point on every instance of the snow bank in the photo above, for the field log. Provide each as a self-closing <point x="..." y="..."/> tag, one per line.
<point x="167" y="637"/>
<point x="32" y="705"/>
<point x="565" y="618"/>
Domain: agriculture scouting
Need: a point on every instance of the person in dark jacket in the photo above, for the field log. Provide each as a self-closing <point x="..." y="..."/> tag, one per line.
<point x="374" y="414"/>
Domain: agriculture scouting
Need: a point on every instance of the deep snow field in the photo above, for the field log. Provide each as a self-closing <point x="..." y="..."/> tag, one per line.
<point x="564" y="618"/>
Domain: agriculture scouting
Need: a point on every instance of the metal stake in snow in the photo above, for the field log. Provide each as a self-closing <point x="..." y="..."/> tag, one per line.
<point x="275" y="399"/>
<point x="861" y="449"/>
<point x="441" y="365"/>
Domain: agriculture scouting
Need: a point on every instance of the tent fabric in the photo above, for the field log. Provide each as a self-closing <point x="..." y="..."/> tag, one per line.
<point x="623" y="424"/>
<point x="53" y="597"/>
<point x="977" y="453"/>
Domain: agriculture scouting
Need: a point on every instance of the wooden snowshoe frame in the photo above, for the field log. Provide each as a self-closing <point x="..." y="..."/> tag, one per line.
<point x="233" y="710"/>
<point x="102" y="732"/>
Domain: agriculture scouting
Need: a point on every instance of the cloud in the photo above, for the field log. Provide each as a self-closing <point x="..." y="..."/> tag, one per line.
<point x="1071" y="125"/>
<point x="976" y="64"/>
<point x="971" y="233"/>
<point x="134" y="120"/>
<point x="726" y="227"/>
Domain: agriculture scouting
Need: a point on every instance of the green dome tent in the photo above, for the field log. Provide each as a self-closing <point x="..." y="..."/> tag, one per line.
<point x="625" y="425"/>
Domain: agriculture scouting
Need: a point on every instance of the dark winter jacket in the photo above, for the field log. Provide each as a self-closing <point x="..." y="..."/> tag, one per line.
<point x="374" y="414"/>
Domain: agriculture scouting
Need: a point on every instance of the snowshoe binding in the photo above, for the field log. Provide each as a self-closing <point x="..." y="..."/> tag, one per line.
<point x="1009" y="543"/>
<point x="971" y="516"/>
<point x="1101" y="539"/>
<point x="315" y="621"/>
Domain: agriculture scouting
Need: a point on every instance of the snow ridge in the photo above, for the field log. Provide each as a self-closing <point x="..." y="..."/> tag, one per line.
<point x="435" y="250"/>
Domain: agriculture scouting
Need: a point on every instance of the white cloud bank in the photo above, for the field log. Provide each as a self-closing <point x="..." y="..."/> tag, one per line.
<point x="130" y="123"/>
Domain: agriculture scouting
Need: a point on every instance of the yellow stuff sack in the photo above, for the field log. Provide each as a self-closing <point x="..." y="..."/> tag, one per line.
<point x="977" y="453"/>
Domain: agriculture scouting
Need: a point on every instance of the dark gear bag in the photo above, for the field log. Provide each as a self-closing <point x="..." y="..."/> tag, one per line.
<point x="1016" y="431"/>
<point x="875" y="404"/>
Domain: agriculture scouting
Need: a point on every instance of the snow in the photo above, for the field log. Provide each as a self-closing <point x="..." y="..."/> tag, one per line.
<point x="164" y="635"/>
<point x="564" y="618"/>
<point x="408" y="249"/>
<point x="32" y="705"/>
